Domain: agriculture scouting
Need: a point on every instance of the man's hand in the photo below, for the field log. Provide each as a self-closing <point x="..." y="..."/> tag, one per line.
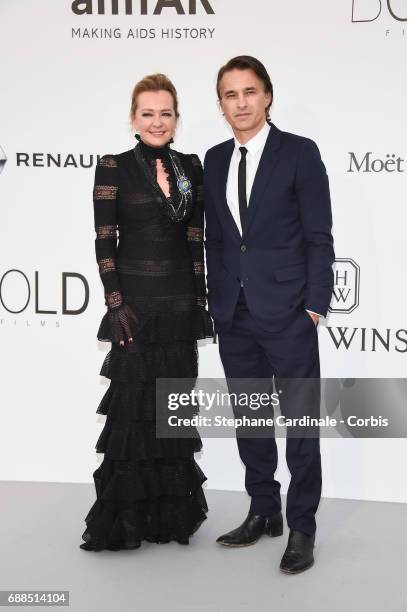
<point x="314" y="316"/>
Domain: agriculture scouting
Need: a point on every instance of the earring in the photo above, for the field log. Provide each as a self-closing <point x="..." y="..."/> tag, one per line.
<point x="171" y="141"/>
<point x="137" y="136"/>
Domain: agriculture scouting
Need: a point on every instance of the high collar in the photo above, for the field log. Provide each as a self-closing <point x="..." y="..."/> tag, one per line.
<point x="154" y="152"/>
<point x="257" y="142"/>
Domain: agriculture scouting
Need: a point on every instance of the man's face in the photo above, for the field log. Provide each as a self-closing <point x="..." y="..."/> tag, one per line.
<point x="243" y="100"/>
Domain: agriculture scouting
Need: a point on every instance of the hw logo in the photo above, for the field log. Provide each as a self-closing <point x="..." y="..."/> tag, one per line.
<point x="345" y="296"/>
<point x="369" y="10"/>
<point x="3" y="159"/>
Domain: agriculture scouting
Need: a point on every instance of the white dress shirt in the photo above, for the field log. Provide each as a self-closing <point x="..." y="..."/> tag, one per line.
<point x="254" y="148"/>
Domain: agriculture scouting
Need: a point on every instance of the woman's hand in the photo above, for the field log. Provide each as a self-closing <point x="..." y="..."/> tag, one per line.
<point x="123" y="321"/>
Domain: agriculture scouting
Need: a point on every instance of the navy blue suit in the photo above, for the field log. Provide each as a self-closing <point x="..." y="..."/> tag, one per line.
<point x="259" y="285"/>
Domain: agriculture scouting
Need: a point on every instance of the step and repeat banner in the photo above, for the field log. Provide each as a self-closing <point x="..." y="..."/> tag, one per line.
<point x="68" y="69"/>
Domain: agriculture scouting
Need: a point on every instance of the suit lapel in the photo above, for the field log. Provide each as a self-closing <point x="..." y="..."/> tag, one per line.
<point x="222" y="184"/>
<point x="267" y="164"/>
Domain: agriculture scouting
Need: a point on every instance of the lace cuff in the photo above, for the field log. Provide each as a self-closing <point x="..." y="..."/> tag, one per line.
<point x="113" y="300"/>
<point x="119" y="323"/>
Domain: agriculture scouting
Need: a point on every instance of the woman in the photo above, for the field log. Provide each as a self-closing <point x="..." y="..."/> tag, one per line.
<point x="148" y="488"/>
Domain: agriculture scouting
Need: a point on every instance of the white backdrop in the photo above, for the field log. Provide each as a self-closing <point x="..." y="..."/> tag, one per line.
<point x="65" y="91"/>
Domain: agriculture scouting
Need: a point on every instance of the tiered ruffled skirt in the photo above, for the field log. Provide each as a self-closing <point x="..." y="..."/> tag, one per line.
<point x="147" y="488"/>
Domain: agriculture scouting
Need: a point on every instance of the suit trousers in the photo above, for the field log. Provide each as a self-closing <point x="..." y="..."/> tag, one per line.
<point x="248" y="351"/>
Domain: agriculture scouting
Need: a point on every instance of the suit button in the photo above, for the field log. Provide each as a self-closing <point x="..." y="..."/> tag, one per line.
<point x="243" y="248"/>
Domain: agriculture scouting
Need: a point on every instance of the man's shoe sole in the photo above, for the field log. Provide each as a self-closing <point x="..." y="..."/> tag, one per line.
<point x="303" y="569"/>
<point x="237" y="545"/>
<point x="271" y="535"/>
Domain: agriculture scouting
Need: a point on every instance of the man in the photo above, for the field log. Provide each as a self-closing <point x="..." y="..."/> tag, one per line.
<point x="269" y="253"/>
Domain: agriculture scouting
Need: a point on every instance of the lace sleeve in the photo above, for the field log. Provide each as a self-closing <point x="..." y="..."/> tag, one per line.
<point x="119" y="322"/>
<point x="195" y="231"/>
<point x="104" y="206"/>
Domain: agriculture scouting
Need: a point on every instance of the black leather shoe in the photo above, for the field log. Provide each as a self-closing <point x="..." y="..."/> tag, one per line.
<point x="252" y="528"/>
<point x="298" y="555"/>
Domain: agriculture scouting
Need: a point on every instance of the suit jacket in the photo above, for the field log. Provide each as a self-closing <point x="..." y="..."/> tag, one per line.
<point x="286" y="253"/>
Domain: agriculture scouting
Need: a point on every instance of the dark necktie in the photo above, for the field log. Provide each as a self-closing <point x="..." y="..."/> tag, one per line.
<point x="241" y="182"/>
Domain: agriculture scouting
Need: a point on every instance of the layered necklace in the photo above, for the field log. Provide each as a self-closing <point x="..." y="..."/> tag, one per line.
<point x="176" y="205"/>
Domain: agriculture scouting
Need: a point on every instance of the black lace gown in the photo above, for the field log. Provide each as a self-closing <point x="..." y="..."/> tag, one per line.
<point x="147" y="488"/>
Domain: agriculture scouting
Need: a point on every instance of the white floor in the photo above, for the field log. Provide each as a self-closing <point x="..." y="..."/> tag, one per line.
<point x="360" y="559"/>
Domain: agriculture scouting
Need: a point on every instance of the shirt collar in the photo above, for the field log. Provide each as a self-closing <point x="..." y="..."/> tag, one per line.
<point x="256" y="143"/>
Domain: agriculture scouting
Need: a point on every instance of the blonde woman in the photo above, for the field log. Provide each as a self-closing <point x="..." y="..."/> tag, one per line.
<point x="148" y="488"/>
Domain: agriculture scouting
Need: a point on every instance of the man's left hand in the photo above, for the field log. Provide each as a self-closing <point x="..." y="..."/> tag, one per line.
<point x="314" y="317"/>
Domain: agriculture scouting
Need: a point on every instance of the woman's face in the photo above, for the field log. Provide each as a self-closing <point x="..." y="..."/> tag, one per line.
<point x="155" y="118"/>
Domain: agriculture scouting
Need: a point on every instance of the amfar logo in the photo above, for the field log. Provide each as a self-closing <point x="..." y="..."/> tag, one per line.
<point x="143" y="7"/>
<point x="3" y="159"/>
<point x="364" y="11"/>
<point x="345" y="298"/>
<point x="369" y="164"/>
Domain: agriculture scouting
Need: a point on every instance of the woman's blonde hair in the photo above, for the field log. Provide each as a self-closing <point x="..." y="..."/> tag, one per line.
<point x="153" y="82"/>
